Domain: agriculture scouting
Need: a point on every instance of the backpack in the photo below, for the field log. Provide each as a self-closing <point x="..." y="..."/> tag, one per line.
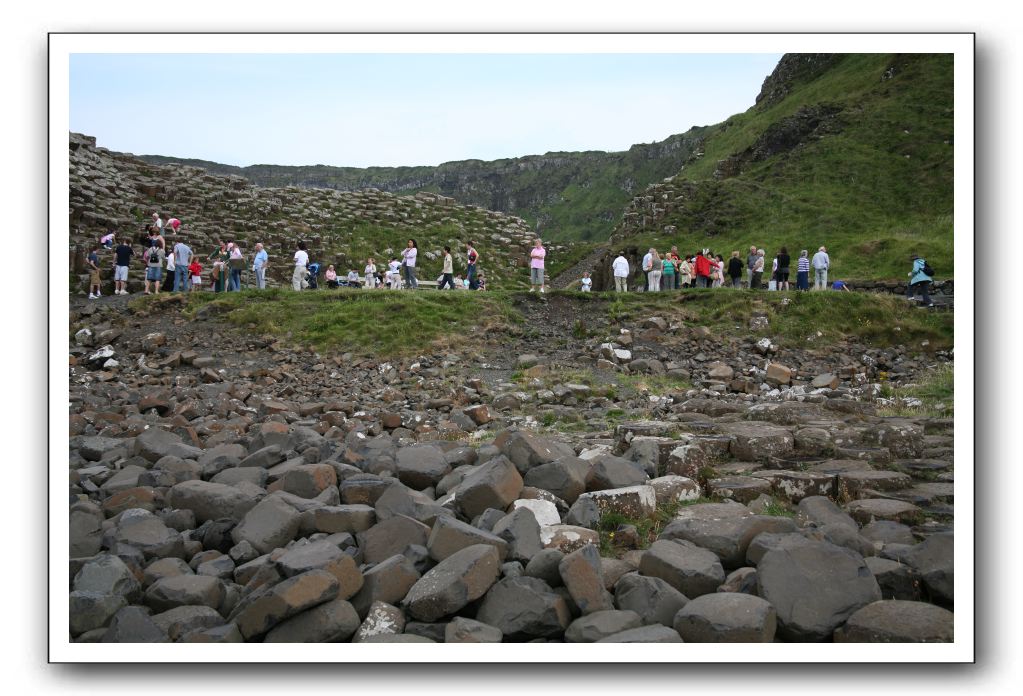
<point x="927" y="270"/>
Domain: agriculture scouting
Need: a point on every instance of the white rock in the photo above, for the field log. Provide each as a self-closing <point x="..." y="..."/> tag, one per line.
<point x="545" y="512"/>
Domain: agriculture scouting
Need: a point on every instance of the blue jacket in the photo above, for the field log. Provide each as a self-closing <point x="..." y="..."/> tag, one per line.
<point x="918" y="272"/>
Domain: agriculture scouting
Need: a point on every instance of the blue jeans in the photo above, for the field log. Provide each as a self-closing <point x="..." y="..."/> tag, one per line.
<point x="920" y="287"/>
<point x="234" y="281"/>
<point x="802" y="280"/>
<point x="410" y="277"/>
<point x="471" y="275"/>
<point x="180" y="278"/>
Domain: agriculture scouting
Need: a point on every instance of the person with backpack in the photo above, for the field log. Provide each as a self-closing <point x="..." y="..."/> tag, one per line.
<point x="920" y="278"/>
<point x="236" y="264"/>
<point x="154" y="257"/>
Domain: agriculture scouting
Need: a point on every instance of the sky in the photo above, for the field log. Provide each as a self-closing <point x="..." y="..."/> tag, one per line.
<point x="364" y="110"/>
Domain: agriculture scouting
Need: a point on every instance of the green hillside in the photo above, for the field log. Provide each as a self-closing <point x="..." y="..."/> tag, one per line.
<point x="858" y="158"/>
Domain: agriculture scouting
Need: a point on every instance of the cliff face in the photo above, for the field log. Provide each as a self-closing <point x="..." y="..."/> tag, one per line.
<point x="565" y="195"/>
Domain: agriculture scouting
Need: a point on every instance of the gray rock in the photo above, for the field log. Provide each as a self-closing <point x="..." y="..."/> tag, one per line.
<point x="645" y="634"/>
<point x="896" y="580"/>
<point x="269" y="525"/>
<point x="897" y="621"/>
<point x="108" y="574"/>
<point x="521" y="532"/>
<point x="390" y="537"/>
<point x="524" y="608"/>
<point x="821" y="511"/>
<point x="527" y="450"/>
<point x="726" y="617"/>
<point x="814" y="587"/>
<point x="691" y="570"/>
<point x="495" y="484"/>
<point x="724" y="528"/>
<point x="154" y="443"/>
<point x="601" y="624"/>
<point x="387" y="582"/>
<point x="450" y="535"/>
<point x="331" y="622"/>
<point x="85" y="534"/>
<point x="185" y="590"/>
<point x="421" y="466"/>
<point x="210" y="501"/>
<point x="583" y="575"/>
<point x="272" y="604"/>
<point x="91" y="610"/>
<point x="887" y="532"/>
<point x="544" y="565"/>
<point x="463" y="577"/>
<point x="151" y="536"/>
<point x="381" y="620"/>
<point x="740" y="580"/>
<point x="565" y="477"/>
<point x="134" y="625"/>
<point x="609" y="472"/>
<point x="463" y="630"/>
<point x="933" y="560"/>
<point x="181" y="621"/>
<point x="652" y="598"/>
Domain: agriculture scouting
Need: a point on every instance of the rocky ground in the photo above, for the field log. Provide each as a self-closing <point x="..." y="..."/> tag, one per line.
<point x="578" y="480"/>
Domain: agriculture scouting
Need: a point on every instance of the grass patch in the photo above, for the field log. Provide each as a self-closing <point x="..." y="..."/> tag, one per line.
<point x="613" y="542"/>
<point x="934" y="390"/>
<point x="377" y="323"/>
<point x="776" y="509"/>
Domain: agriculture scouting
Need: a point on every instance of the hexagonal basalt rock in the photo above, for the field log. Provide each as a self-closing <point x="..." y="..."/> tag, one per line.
<point x="897" y="621"/>
<point x="726" y="617"/>
<point x="524" y="608"/>
<point x="691" y="570"/>
<point x="454" y="582"/>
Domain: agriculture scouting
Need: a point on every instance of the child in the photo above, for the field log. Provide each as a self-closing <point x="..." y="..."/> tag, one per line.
<point x="353" y="279"/>
<point x="371" y="274"/>
<point x="94" y="281"/>
<point x="195" y="270"/>
<point x="395" y="274"/>
<point x="107" y="240"/>
<point x="587" y="282"/>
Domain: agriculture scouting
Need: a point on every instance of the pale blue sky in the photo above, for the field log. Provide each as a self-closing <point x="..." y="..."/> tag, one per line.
<point x="363" y="110"/>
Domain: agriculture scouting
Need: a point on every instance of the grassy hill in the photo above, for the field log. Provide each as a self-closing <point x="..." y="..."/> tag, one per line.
<point x="857" y="157"/>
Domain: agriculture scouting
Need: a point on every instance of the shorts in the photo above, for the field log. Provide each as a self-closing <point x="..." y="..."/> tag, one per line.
<point x="783" y="275"/>
<point x="536" y="276"/>
<point x="196" y="280"/>
<point x="154" y="273"/>
<point x="120" y="273"/>
<point x="94" y="278"/>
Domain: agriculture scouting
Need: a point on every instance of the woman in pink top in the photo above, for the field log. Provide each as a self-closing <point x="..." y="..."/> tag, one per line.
<point x="536" y="257"/>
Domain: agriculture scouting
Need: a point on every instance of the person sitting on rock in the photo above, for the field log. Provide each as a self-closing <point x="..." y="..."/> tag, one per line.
<point x="353" y="279"/>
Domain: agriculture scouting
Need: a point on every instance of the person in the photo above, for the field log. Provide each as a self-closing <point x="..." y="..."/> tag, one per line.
<point x="667" y="273"/>
<point x="394" y="274"/>
<point x="92" y="261"/>
<point x="774" y="273"/>
<point x="460" y="283"/>
<point x="783" y="262"/>
<point x="751" y="260"/>
<point x="301" y="261"/>
<point x="621" y="270"/>
<point x="677" y="261"/>
<point x="408" y="255"/>
<point x="482" y="284"/>
<point x="758" y="270"/>
<point x="182" y="256"/>
<point x="236" y="262"/>
<point x="803" y="271"/>
<point x="472" y="258"/>
<point x="195" y="271"/>
<point x="158" y="223"/>
<point x="536" y="269"/>
<point x="703" y="269"/>
<point x="586" y="282"/>
<point x="840" y="285"/>
<point x="919" y="280"/>
<point x="169" y="275"/>
<point x="259" y="263"/>
<point x="330" y="276"/>
<point x="313" y="276"/>
<point x="647" y="265"/>
<point x="653" y="278"/>
<point x="122" y="257"/>
<point x="156" y="239"/>
<point x="820" y="264"/>
<point x="685" y="272"/>
<point x="371" y="274"/>
<point x="447" y="278"/>
<point x="154" y="258"/>
<point x="353" y="279"/>
<point x="735" y="270"/>
<point x="107" y="240"/>
<point x="219" y="260"/>
<point x="717" y="271"/>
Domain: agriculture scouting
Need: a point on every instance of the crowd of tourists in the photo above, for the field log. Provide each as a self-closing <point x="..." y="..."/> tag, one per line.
<point x="180" y="269"/>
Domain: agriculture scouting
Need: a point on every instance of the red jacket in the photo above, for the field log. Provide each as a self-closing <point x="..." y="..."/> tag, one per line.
<point x="702" y="265"/>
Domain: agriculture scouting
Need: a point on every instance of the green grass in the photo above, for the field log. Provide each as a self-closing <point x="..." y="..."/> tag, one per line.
<point x="380" y="323"/>
<point x="647" y="528"/>
<point x="776" y="509"/>
<point x="935" y="389"/>
<point x="874" y="319"/>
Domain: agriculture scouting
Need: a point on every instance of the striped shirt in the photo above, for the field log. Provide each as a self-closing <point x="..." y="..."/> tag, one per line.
<point x="804" y="265"/>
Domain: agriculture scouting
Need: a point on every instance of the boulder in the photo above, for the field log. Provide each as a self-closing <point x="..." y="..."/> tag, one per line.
<point x="652" y="598"/>
<point x="391" y="537"/>
<point x="450" y="535"/>
<point x="524" y="608"/>
<point x="185" y="590"/>
<point x="210" y="501"/>
<point x="520" y="530"/>
<point x="388" y="582"/>
<point x="898" y="621"/>
<point x="463" y="630"/>
<point x="645" y="634"/>
<point x="421" y="466"/>
<point x="590" y="628"/>
<point x="691" y="570"/>
<point x="726" y="617"/>
<point x="495" y="484"/>
<point x="565" y="477"/>
<point x="331" y="622"/>
<point x="463" y="577"/>
<point x="527" y="450"/>
<point x="724" y="528"/>
<point x="381" y="620"/>
<point x="582" y="573"/>
<point x="814" y="587"/>
<point x="934" y="561"/>
<point x="134" y="625"/>
<point x="608" y="472"/>
<point x="269" y="525"/>
<point x="271" y="604"/>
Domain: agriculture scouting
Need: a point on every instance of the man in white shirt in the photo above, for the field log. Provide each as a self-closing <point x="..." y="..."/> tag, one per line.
<point x="301" y="261"/>
<point x="648" y="265"/>
<point x="621" y="269"/>
<point x="820" y="264"/>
